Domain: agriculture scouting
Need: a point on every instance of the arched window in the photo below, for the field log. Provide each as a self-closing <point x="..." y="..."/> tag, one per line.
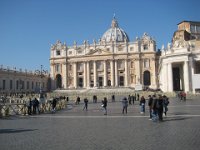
<point x="58" y="81"/>
<point x="147" y="78"/>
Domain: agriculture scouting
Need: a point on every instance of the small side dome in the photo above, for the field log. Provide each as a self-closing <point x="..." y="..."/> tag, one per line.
<point x="115" y="33"/>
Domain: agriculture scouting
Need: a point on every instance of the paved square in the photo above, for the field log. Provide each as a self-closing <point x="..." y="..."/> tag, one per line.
<point x="74" y="128"/>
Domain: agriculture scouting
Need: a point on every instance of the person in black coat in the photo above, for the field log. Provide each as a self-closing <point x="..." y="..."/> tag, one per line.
<point x="159" y="106"/>
<point x="86" y="104"/>
<point x="104" y="103"/>
<point x="150" y="101"/>
<point x="54" y="102"/>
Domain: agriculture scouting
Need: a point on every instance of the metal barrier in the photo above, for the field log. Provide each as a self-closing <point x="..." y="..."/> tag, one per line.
<point x="9" y="109"/>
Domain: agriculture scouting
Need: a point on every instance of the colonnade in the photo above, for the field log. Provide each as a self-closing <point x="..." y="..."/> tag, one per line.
<point x="92" y="74"/>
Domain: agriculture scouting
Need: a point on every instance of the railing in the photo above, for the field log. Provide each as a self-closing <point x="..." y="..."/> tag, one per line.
<point x="9" y="109"/>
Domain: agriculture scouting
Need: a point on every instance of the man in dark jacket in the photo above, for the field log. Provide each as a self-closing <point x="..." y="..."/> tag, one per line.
<point x="159" y="106"/>
<point x="154" y="108"/>
<point x="105" y="105"/>
<point x="150" y="106"/>
<point x="86" y="104"/>
<point x="54" y="102"/>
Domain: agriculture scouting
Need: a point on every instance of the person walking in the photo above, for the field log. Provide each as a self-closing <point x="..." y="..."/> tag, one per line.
<point x="165" y="104"/>
<point x="125" y="105"/>
<point x="113" y="98"/>
<point x="129" y="99"/>
<point x="150" y="106"/>
<point x="159" y="106"/>
<point x="36" y="106"/>
<point x="85" y="104"/>
<point x="29" y="104"/>
<point x="154" y="109"/>
<point x="138" y="96"/>
<point x="78" y="100"/>
<point x="133" y="99"/>
<point x="142" y="105"/>
<point x="54" y="102"/>
<point x="104" y="103"/>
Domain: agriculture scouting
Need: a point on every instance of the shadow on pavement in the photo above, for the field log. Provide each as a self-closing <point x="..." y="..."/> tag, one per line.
<point x="2" y="131"/>
<point x="175" y="119"/>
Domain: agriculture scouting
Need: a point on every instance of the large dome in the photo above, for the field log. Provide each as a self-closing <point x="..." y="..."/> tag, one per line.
<point x="115" y="33"/>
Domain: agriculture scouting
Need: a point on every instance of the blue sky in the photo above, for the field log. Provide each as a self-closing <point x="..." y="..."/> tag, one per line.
<point x="29" y="27"/>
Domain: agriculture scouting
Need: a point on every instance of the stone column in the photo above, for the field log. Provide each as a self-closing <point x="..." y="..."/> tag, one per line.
<point x="75" y="74"/>
<point x="105" y="74"/>
<point x="95" y="73"/>
<point x="112" y="77"/>
<point x="85" y="75"/>
<point x="116" y="74"/>
<point x="186" y="76"/>
<point x="138" y="72"/>
<point x="88" y="74"/>
<point x="191" y="73"/>
<point x="170" y="81"/>
<point x="126" y="73"/>
<point x="164" y="79"/>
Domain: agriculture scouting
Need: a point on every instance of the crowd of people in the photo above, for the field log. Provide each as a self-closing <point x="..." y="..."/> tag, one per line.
<point x="37" y="106"/>
<point x="158" y="104"/>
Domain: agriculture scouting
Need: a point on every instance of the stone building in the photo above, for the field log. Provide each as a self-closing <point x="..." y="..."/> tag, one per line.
<point x="180" y="62"/>
<point x="112" y="61"/>
<point x="18" y="81"/>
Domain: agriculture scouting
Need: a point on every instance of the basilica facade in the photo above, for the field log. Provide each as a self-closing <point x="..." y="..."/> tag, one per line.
<point x="112" y="61"/>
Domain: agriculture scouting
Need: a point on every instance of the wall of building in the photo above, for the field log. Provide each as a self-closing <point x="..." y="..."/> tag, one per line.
<point x="13" y="81"/>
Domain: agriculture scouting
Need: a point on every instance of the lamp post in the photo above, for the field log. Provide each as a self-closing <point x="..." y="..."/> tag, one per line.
<point x="41" y="73"/>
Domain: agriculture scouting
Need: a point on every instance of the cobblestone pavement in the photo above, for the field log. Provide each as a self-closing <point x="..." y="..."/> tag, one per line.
<point x="74" y="128"/>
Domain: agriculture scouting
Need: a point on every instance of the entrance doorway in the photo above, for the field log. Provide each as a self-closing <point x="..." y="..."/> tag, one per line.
<point x="100" y="81"/>
<point x="58" y="81"/>
<point x="121" y="81"/>
<point x="147" y="78"/>
<point x="80" y="82"/>
<point x="176" y="79"/>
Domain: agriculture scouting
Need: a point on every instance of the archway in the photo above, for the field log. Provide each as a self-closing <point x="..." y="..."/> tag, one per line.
<point x="58" y="81"/>
<point x="147" y="78"/>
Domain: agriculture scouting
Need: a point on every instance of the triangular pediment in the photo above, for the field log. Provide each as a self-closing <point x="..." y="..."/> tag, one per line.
<point x="98" y="52"/>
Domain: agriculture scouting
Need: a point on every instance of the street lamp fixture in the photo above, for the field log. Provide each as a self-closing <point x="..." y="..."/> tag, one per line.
<point x="41" y="73"/>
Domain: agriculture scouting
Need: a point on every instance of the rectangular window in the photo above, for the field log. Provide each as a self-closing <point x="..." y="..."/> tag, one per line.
<point x="4" y="84"/>
<point x="57" y="53"/>
<point x="11" y="84"/>
<point x="79" y="51"/>
<point x="70" y="52"/>
<point x="27" y="85"/>
<point x="32" y="85"/>
<point x="145" y="47"/>
<point x="22" y="84"/>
